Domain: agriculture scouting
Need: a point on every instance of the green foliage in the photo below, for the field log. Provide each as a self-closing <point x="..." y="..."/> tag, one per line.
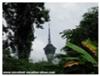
<point x="89" y="24"/>
<point x="20" y="18"/>
<point x="12" y="64"/>
<point x="64" y="58"/>
<point x="82" y="52"/>
<point x="88" y="28"/>
<point x="82" y="41"/>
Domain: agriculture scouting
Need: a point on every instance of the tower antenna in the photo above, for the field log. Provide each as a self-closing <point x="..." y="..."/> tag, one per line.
<point x="49" y="34"/>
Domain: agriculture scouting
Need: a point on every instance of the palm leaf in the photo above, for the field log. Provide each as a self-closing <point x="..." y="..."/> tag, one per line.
<point x="89" y="44"/>
<point x="85" y="54"/>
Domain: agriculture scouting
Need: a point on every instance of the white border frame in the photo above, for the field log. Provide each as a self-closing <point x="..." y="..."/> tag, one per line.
<point x="56" y="1"/>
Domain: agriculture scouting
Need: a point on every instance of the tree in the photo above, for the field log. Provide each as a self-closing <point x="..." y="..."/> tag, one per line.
<point x="21" y="18"/>
<point x="88" y="28"/>
<point x="84" y="37"/>
<point x="89" y="24"/>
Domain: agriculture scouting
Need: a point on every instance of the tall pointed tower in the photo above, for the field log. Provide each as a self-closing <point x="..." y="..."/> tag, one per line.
<point x="49" y="49"/>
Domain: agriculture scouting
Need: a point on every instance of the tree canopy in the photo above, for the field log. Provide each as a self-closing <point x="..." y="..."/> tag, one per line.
<point x="88" y="28"/>
<point x="21" y="18"/>
<point x="82" y="43"/>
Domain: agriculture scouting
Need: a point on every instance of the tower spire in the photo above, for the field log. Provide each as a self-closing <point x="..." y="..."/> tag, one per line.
<point x="49" y="49"/>
<point x="49" y="34"/>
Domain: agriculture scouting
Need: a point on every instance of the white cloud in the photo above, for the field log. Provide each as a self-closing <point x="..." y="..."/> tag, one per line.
<point x="63" y="16"/>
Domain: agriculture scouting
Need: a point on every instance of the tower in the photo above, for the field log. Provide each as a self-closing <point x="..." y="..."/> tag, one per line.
<point x="49" y="49"/>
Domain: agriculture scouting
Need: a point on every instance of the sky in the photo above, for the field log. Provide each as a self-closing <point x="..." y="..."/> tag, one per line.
<point x="62" y="16"/>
